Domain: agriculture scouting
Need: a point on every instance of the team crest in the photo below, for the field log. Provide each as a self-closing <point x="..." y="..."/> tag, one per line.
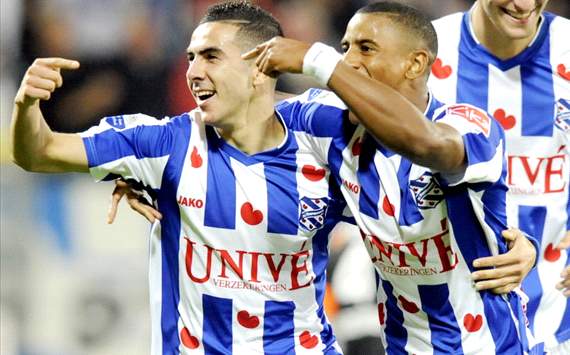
<point x="562" y="115"/>
<point x="116" y="121"/>
<point x="427" y="191"/>
<point x="313" y="211"/>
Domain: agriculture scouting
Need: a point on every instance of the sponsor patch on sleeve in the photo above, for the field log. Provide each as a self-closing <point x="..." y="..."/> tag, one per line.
<point x="477" y="118"/>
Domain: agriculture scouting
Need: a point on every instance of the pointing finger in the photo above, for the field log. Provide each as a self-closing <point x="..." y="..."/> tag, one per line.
<point x="59" y="63"/>
<point x="252" y="53"/>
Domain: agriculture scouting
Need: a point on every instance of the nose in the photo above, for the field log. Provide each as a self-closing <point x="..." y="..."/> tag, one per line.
<point x="525" y="6"/>
<point x="196" y="70"/>
<point x="351" y="58"/>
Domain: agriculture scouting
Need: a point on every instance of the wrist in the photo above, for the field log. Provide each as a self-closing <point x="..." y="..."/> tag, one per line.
<point x="320" y="62"/>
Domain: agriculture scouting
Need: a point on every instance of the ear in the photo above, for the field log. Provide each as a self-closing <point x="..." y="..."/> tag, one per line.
<point x="418" y="64"/>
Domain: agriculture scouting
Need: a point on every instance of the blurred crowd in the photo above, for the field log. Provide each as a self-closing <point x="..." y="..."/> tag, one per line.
<point x="132" y="52"/>
<point x="133" y="59"/>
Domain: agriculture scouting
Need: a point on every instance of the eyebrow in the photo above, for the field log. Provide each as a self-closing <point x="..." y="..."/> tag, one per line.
<point x="206" y="51"/>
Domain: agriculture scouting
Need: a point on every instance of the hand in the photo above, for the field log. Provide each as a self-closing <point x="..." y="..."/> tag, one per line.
<point x="279" y="55"/>
<point x="41" y="79"/>
<point x="135" y="199"/>
<point x="509" y="269"/>
<point x="564" y="285"/>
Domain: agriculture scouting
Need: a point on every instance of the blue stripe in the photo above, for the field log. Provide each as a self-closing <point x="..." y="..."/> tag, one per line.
<point x="282" y="193"/>
<point x="409" y="211"/>
<point x="396" y="333"/>
<point x="220" y="206"/>
<point x="472" y="244"/>
<point x="320" y="260"/>
<point x="140" y="142"/>
<point x="445" y="332"/>
<point x="217" y="325"/>
<point x="537" y="99"/>
<point x="472" y="78"/>
<point x="279" y="328"/>
<point x="170" y="234"/>
<point x="367" y="175"/>
<point x="531" y="221"/>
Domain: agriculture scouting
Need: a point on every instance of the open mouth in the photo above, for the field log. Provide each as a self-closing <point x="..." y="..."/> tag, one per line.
<point x="204" y="95"/>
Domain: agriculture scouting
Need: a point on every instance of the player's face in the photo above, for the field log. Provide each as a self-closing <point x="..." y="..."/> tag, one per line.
<point x="515" y="19"/>
<point x="218" y="78"/>
<point x="376" y="47"/>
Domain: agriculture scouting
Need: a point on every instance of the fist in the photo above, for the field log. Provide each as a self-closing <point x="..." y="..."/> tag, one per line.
<point x="42" y="78"/>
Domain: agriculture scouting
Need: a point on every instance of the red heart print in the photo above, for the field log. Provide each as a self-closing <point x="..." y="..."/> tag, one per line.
<point x="472" y="323"/>
<point x="507" y="122"/>
<point x="313" y="173"/>
<point x="247" y="320"/>
<point x="387" y="207"/>
<point x="408" y="306"/>
<point x="562" y="71"/>
<point x="439" y="70"/>
<point x="381" y="313"/>
<point x="249" y="215"/>
<point x="195" y="158"/>
<point x="307" y="340"/>
<point x="189" y="341"/>
<point x="356" y="147"/>
<point x="551" y="254"/>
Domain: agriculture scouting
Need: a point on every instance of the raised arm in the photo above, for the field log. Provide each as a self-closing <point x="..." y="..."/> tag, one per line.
<point x="35" y="147"/>
<point x="387" y="114"/>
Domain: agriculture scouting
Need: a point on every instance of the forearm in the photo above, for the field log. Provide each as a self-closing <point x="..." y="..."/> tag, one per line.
<point x="30" y="136"/>
<point x="396" y="122"/>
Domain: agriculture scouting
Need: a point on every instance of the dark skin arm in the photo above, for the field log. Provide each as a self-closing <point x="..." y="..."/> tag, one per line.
<point x="386" y="114"/>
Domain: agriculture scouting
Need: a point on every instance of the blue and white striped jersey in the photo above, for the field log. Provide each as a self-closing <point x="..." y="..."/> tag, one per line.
<point x="529" y="95"/>
<point x="237" y="264"/>
<point x="423" y="229"/>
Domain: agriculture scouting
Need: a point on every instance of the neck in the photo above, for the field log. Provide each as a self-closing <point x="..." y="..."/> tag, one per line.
<point x="257" y="129"/>
<point x="418" y="95"/>
<point x="496" y="42"/>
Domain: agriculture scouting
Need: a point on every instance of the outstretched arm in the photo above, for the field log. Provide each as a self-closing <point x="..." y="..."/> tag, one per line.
<point x="387" y="114"/>
<point x="35" y="147"/>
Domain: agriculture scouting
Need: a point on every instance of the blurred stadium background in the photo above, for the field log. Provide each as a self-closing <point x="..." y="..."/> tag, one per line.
<point x="70" y="283"/>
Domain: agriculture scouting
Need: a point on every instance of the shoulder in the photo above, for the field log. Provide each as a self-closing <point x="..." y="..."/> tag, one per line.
<point x="316" y="111"/>
<point x="467" y="119"/>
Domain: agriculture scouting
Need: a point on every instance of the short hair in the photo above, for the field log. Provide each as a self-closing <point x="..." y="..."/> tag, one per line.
<point x="410" y="17"/>
<point x="255" y="25"/>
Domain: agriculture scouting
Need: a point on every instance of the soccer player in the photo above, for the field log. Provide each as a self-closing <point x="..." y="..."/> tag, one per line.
<point x="425" y="181"/>
<point x="237" y="263"/>
<point x="513" y="59"/>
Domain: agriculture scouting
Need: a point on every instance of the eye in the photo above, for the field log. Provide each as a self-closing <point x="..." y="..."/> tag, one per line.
<point x="191" y="57"/>
<point x="344" y="47"/>
<point x="211" y="57"/>
<point x="365" y="48"/>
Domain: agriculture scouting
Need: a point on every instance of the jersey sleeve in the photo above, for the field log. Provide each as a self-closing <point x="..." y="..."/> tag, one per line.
<point x="131" y="146"/>
<point x="484" y="144"/>
<point x="318" y="113"/>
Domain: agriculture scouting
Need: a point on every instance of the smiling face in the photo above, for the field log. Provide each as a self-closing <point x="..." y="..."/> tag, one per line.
<point x="513" y="19"/>
<point x="377" y="47"/>
<point x="220" y="81"/>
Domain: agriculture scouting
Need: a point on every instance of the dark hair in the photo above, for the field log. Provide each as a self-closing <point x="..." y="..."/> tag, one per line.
<point x="410" y="17"/>
<point x="255" y="24"/>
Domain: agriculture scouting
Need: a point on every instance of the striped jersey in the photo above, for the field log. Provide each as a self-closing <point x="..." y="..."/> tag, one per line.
<point x="423" y="229"/>
<point x="237" y="264"/>
<point x="529" y="95"/>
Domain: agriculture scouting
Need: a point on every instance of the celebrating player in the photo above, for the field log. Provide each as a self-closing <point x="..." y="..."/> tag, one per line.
<point x="425" y="181"/>
<point x="237" y="263"/>
<point x="513" y="60"/>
